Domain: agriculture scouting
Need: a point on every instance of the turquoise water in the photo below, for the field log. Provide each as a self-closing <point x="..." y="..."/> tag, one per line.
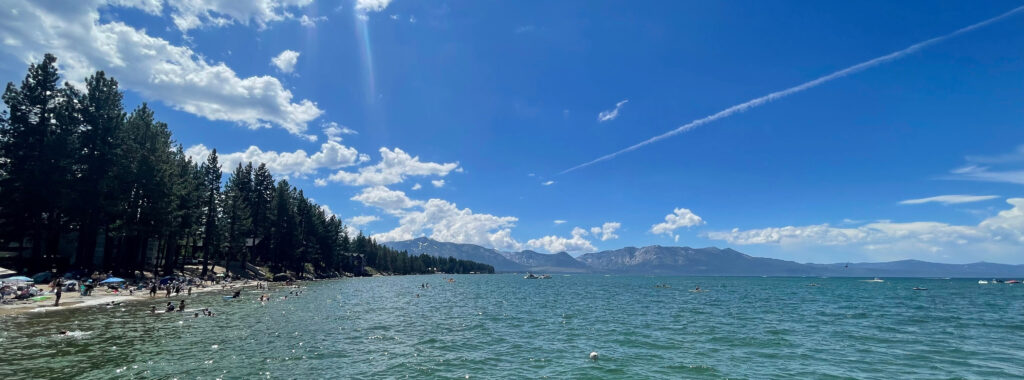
<point x="502" y="326"/>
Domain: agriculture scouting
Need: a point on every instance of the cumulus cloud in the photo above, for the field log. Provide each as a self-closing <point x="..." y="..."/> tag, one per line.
<point x="391" y="201"/>
<point x="362" y="220"/>
<point x="191" y="14"/>
<point x="394" y="166"/>
<point x="151" y="66"/>
<point x="371" y="5"/>
<point x="417" y="186"/>
<point x="310" y="22"/>
<point x="333" y="131"/>
<point x="577" y="243"/>
<point x="320" y="182"/>
<point x="286" y="61"/>
<point x="298" y="164"/>
<point x="444" y="221"/>
<point x="559" y="221"/>
<point x="606" y="231"/>
<point x="679" y="218"/>
<point x="949" y="199"/>
<point x="437" y="183"/>
<point x="999" y="236"/>
<point x="611" y="114"/>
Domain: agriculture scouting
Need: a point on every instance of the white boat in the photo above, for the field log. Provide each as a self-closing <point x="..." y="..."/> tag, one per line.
<point x="545" y="277"/>
<point x="982" y="282"/>
<point x="530" y="276"/>
<point x="876" y="279"/>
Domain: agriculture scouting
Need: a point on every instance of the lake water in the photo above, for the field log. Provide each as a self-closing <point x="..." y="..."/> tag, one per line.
<point x="503" y="326"/>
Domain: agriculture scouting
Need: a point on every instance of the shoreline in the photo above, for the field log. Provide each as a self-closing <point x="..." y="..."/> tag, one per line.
<point x="76" y="301"/>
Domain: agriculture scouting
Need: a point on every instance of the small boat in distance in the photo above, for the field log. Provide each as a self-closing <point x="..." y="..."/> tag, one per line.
<point x="1013" y="282"/>
<point x="545" y="277"/>
<point x="982" y="282"/>
<point x="530" y="276"/>
<point x="876" y="279"/>
<point x="919" y="288"/>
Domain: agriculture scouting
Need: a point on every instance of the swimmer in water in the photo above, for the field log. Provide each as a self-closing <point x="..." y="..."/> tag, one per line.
<point x="153" y="310"/>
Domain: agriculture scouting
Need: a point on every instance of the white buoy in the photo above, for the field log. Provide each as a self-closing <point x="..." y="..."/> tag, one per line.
<point x="593" y="355"/>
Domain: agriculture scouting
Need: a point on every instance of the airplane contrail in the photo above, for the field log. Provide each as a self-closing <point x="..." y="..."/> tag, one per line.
<point x="795" y="89"/>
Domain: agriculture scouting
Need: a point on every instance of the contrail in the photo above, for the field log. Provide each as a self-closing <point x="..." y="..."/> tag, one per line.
<point x="795" y="89"/>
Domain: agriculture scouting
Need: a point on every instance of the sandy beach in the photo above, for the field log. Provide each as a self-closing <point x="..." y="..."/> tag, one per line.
<point x="73" y="300"/>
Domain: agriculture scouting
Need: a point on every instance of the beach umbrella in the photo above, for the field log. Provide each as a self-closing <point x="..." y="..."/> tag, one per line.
<point x="18" y="279"/>
<point x="112" y="280"/>
<point x="7" y="272"/>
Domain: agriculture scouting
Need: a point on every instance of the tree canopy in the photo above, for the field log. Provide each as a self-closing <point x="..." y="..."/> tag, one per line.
<point x="85" y="184"/>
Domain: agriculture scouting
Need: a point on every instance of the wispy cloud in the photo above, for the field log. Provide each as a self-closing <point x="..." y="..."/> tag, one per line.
<point x="547" y="183"/>
<point x="559" y="221"/>
<point x="949" y="199"/>
<point x="756" y="102"/>
<point x="612" y="113"/>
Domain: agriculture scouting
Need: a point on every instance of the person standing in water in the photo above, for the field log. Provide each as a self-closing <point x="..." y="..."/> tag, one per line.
<point x="60" y="290"/>
<point x="181" y="306"/>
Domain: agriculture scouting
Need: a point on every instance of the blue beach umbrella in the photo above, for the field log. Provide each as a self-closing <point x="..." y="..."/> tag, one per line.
<point x="112" y="280"/>
<point x="18" y="279"/>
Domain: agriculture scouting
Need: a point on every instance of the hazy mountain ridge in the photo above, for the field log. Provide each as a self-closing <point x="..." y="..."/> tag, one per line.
<point x="710" y="261"/>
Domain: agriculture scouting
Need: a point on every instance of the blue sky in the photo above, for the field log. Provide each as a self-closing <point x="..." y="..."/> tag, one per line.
<point x="369" y="105"/>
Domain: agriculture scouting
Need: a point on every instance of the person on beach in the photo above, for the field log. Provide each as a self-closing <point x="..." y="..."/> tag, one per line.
<point x="189" y="291"/>
<point x="56" y="302"/>
<point x="152" y="290"/>
<point x="170" y="307"/>
<point x="181" y="306"/>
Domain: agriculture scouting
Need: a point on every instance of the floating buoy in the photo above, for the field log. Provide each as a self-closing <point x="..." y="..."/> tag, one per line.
<point x="593" y="355"/>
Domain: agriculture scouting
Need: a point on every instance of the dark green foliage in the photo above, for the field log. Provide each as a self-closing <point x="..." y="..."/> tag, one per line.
<point x="76" y="169"/>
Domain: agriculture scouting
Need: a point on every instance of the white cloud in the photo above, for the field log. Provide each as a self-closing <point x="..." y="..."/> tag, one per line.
<point x="331" y="156"/>
<point x="547" y="183"/>
<point x="394" y="17"/>
<point x="286" y="61"/>
<point x="394" y="167"/>
<point x="559" y="221"/>
<point x="412" y="19"/>
<point x="446" y="222"/>
<point x="950" y="199"/>
<point x="999" y="237"/>
<point x="371" y="5"/>
<point x="391" y="201"/>
<point x="437" y="183"/>
<point x="679" y="218"/>
<point x="554" y="244"/>
<point x="158" y="70"/>
<point x="310" y="22"/>
<point x="417" y="186"/>
<point x="362" y="220"/>
<point x="319" y="182"/>
<point x="986" y="174"/>
<point x="333" y="131"/>
<point x="191" y="14"/>
<point x="606" y="231"/>
<point x="327" y="210"/>
<point x="612" y="113"/>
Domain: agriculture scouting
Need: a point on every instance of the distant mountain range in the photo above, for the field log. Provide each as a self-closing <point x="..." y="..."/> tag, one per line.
<point x="709" y="261"/>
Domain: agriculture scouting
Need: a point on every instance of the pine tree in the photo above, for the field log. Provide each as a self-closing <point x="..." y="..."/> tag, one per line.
<point x="211" y="190"/>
